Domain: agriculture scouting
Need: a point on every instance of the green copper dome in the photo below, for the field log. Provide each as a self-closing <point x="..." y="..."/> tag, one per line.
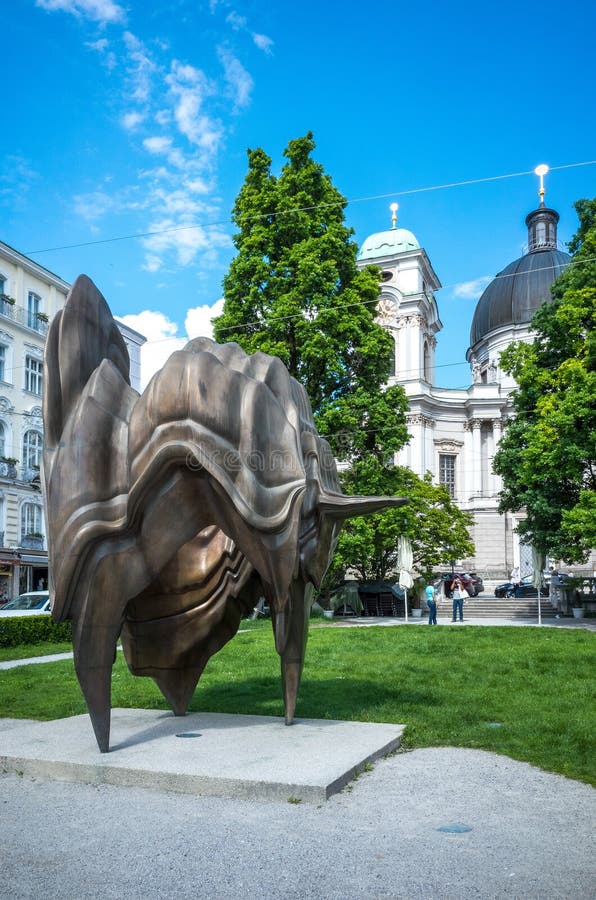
<point x="388" y="243"/>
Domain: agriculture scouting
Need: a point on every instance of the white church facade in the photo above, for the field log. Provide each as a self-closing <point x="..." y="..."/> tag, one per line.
<point x="455" y="432"/>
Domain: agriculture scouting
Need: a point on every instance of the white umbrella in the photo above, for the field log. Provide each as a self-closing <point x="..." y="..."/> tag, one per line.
<point x="538" y="564"/>
<point x="405" y="561"/>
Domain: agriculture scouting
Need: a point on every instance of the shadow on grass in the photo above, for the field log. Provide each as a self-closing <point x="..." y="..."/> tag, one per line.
<point x="334" y="698"/>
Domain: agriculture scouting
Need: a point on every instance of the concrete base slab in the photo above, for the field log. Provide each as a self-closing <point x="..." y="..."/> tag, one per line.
<point x="212" y="754"/>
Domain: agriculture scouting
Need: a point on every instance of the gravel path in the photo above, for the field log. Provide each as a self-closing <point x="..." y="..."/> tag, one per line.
<point x="512" y="831"/>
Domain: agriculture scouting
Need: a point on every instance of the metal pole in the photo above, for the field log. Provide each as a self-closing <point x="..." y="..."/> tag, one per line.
<point x="406" y="596"/>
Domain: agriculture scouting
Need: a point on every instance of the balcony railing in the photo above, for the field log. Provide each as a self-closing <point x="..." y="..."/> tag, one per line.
<point x="35" y="321"/>
<point x="31" y="542"/>
<point x="8" y="470"/>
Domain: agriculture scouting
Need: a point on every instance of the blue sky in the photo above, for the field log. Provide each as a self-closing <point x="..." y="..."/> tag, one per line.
<point x="127" y="118"/>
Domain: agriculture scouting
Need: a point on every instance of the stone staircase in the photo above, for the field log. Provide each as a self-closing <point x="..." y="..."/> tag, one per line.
<point x="497" y="608"/>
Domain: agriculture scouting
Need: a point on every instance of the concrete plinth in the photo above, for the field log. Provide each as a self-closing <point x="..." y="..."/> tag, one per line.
<point x="253" y="757"/>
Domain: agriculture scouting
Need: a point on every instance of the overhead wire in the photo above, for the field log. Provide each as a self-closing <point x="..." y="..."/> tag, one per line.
<point x="300" y="315"/>
<point x="287" y="212"/>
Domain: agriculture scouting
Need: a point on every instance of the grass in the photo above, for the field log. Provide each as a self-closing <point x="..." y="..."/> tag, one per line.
<point x="25" y="651"/>
<point x="523" y="692"/>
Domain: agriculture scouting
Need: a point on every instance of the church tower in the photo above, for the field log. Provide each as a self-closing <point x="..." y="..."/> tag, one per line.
<point x="407" y="307"/>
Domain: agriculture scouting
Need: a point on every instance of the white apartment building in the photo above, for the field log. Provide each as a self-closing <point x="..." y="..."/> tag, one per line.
<point x="30" y="296"/>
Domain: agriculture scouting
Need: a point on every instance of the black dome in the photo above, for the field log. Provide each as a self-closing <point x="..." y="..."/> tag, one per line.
<point x="521" y="288"/>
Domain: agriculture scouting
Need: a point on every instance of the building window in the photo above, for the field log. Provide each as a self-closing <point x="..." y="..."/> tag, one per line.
<point x="33" y="307"/>
<point x="2" y="440"/>
<point x="33" y="375"/>
<point x="2" y="284"/>
<point x="447" y="472"/>
<point x="2" y="362"/>
<point x="392" y="358"/>
<point x="31" y="519"/>
<point x="32" y="447"/>
<point x="426" y="362"/>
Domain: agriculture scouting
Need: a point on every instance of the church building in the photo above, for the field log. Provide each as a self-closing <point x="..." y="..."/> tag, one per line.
<point x="455" y="432"/>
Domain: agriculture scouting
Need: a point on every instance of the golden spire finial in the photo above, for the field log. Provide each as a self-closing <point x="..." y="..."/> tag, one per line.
<point x="541" y="171"/>
<point x="394" y="208"/>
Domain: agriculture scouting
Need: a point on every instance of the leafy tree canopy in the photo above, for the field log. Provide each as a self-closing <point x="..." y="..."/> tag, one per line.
<point x="294" y="291"/>
<point x="547" y="457"/>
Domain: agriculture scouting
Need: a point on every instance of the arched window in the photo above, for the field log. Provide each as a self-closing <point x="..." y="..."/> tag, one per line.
<point x="31" y="520"/>
<point x="2" y="439"/>
<point x="32" y="447"/>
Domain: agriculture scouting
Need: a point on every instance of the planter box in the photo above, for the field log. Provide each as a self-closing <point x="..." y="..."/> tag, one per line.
<point x="578" y="612"/>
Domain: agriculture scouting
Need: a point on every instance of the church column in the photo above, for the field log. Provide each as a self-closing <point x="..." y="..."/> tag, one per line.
<point x="497" y="482"/>
<point x="476" y="459"/>
<point x="467" y="468"/>
<point x="416" y="456"/>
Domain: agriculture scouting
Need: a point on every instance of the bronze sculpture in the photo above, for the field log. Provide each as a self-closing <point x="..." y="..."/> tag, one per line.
<point x="170" y="513"/>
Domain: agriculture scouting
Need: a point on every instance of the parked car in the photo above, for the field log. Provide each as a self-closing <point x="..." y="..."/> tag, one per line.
<point x="524" y="589"/>
<point x="467" y="580"/>
<point x="34" y="603"/>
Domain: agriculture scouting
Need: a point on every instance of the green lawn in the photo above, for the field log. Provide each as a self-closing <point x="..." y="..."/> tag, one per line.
<point x="25" y="651"/>
<point x="524" y="692"/>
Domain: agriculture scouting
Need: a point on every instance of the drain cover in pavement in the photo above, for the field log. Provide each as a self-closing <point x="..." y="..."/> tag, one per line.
<point x="455" y="828"/>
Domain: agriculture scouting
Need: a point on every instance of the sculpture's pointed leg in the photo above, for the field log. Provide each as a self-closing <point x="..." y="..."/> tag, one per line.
<point x="291" y="633"/>
<point x="291" y="673"/>
<point x="177" y="686"/>
<point x="96" y="687"/>
<point x="94" y="645"/>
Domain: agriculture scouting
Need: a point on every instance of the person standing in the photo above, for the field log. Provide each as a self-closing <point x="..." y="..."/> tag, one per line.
<point x="555" y="592"/>
<point x="459" y="592"/>
<point x="515" y="579"/>
<point x="431" y="599"/>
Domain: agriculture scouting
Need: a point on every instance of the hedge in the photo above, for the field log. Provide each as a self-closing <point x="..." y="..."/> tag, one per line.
<point x="32" y="630"/>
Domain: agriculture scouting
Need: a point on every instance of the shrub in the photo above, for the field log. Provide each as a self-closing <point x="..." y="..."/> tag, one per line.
<point x="32" y="630"/>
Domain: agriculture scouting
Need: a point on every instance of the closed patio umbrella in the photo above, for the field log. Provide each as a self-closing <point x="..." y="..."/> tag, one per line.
<point x="405" y="561"/>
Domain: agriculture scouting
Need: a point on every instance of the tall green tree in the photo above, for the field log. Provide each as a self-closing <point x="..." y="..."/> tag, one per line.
<point x="294" y="291"/>
<point x="547" y="457"/>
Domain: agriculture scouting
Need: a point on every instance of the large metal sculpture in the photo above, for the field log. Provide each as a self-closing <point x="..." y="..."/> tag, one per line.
<point x="170" y="513"/>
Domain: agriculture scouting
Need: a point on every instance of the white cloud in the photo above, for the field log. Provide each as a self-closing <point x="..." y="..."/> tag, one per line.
<point x="263" y="42"/>
<point x="141" y="68"/>
<point x="185" y="240"/>
<point x="158" y="145"/>
<point x="103" y="11"/>
<point x="162" y="334"/>
<point x="198" y="320"/>
<point x="236" y="21"/>
<point x="471" y="290"/>
<point x="99" y="45"/>
<point x="131" y="120"/>
<point x="189" y="88"/>
<point x="237" y="77"/>
<point x="94" y="205"/>
<point x="162" y="340"/>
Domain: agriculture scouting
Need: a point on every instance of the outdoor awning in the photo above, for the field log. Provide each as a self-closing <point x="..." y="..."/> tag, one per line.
<point x="33" y="560"/>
